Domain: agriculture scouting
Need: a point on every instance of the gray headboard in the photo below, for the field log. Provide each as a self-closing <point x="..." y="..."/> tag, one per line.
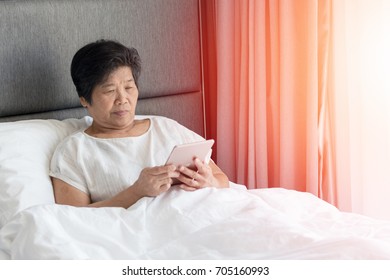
<point x="38" y="39"/>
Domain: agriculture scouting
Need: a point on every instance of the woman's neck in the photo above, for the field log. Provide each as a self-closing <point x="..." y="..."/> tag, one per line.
<point x="136" y="128"/>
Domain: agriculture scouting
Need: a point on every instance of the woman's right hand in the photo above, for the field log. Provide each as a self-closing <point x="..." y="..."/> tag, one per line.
<point x="153" y="181"/>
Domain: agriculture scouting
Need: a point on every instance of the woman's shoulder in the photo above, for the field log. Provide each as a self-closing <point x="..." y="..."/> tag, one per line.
<point x="172" y="128"/>
<point x="163" y="120"/>
<point x="72" y="141"/>
<point x="166" y="124"/>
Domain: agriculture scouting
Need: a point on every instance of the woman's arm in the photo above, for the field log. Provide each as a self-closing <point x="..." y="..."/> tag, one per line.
<point x="151" y="182"/>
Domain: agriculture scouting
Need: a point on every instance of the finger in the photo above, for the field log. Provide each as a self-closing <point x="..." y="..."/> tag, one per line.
<point x="174" y="174"/>
<point x="165" y="181"/>
<point x="157" y="170"/>
<point x="187" y="188"/>
<point x="167" y="178"/>
<point x="189" y="181"/>
<point x="196" y="176"/>
<point x="198" y="163"/>
<point x="201" y="166"/>
<point x="187" y="171"/>
<point x="162" y="175"/>
<point x="165" y="187"/>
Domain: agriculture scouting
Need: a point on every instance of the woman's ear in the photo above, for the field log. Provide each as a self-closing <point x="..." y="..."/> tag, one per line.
<point x="84" y="102"/>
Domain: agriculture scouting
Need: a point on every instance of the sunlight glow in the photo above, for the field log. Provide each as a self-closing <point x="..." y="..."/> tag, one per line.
<point x="368" y="47"/>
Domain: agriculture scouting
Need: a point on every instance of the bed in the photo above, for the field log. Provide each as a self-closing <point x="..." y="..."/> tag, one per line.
<point x="39" y="107"/>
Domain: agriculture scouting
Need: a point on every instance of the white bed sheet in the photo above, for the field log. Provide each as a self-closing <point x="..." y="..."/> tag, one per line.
<point x="211" y="223"/>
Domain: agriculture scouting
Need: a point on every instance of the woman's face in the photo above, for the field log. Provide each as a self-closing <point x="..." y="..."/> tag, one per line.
<point x="114" y="100"/>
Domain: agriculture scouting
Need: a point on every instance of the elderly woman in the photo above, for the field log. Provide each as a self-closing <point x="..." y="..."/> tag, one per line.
<point x="120" y="159"/>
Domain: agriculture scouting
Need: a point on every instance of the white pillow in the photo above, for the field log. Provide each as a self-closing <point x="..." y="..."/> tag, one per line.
<point x="26" y="148"/>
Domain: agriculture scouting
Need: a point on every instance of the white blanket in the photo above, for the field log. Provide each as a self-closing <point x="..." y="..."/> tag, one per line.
<point x="206" y="224"/>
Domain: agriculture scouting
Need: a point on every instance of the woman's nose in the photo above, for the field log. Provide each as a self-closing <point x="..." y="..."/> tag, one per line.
<point x="121" y="97"/>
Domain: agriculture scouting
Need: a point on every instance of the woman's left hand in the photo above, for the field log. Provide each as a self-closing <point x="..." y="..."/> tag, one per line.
<point x="202" y="176"/>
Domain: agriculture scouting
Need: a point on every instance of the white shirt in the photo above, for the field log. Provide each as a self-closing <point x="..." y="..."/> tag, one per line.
<point x="104" y="167"/>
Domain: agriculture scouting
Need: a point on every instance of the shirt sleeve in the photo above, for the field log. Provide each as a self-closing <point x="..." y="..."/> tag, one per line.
<point x="63" y="166"/>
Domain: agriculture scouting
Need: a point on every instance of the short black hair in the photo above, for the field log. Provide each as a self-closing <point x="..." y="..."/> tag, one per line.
<point x="94" y="62"/>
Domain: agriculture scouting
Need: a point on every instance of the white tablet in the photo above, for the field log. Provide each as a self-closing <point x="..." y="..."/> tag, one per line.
<point x="184" y="154"/>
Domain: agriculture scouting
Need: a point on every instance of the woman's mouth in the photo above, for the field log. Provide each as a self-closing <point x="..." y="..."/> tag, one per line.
<point x="121" y="113"/>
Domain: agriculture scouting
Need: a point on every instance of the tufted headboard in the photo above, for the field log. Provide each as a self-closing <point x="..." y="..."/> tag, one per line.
<point x="38" y="39"/>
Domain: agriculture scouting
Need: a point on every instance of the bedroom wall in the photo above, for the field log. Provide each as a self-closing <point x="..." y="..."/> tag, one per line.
<point x="39" y="38"/>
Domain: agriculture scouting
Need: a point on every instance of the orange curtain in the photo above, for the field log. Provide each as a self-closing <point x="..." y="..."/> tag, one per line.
<point x="267" y="87"/>
<point x="298" y="96"/>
